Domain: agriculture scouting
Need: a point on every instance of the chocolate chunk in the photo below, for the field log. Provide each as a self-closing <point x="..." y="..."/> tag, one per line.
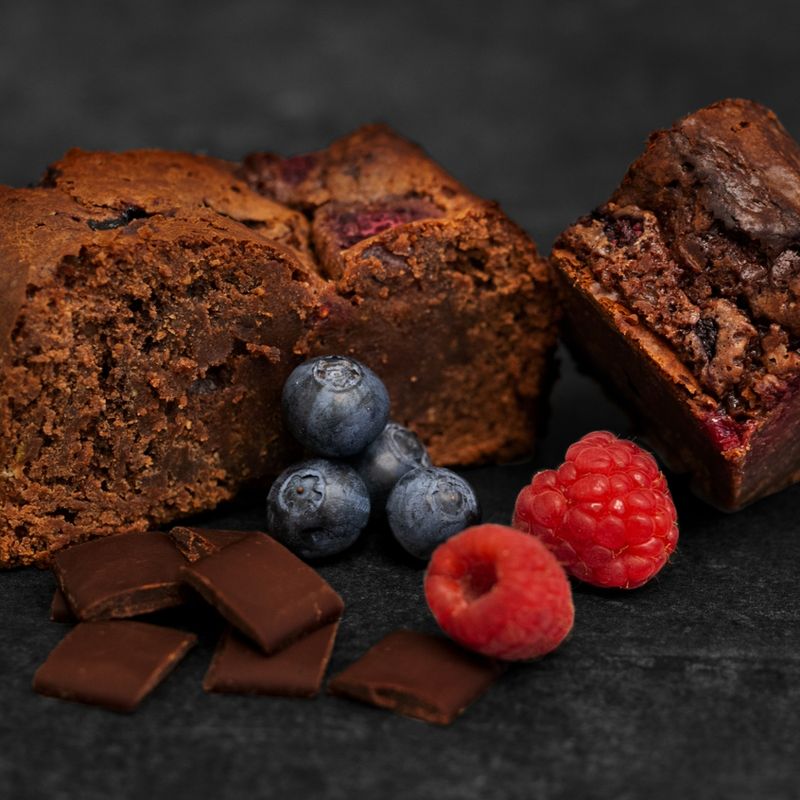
<point x="197" y="543"/>
<point x="120" y="576"/>
<point x="265" y="591"/>
<point x="59" y="608"/>
<point x="707" y="330"/>
<point x="114" y="665"/>
<point x="296" y="671"/>
<point x="417" y="675"/>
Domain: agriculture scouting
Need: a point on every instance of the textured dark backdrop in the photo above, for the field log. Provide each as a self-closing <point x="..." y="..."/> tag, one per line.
<point x="687" y="688"/>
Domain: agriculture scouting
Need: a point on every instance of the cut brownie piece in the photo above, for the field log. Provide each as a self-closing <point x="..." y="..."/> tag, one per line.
<point x="152" y="304"/>
<point x="683" y="291"/>
<point x="143" y="344"/>
<point x="434" y="288"/>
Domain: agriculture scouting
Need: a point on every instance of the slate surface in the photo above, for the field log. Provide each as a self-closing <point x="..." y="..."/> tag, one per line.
<point x="686" y="688"/>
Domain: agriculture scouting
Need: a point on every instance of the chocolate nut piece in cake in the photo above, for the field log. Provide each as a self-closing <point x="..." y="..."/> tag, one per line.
<point x="153" y="304"/>
<point x="683" y="291"/>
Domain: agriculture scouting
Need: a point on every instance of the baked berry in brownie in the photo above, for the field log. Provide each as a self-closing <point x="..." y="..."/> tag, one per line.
<point x="683" y="290"/>
<point x="152" y="305"/>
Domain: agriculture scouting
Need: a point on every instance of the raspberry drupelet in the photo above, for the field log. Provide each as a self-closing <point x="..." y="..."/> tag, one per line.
<point x="606" y="513"/>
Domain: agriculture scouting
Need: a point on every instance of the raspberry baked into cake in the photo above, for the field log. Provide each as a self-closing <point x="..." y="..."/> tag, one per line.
<point x="683" y="289"/>
<point x="154" y="303"/>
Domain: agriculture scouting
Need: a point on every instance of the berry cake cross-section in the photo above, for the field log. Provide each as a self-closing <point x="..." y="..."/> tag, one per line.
<point x="152" y="304"/>
<point x="682" y="291"/>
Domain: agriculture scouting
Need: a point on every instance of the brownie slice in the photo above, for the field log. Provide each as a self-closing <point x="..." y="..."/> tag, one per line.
<point x="144" y="339"/>
<point x="682" y="290"/>
<point x="153" y="303"/>
<point x="434" y="288"/>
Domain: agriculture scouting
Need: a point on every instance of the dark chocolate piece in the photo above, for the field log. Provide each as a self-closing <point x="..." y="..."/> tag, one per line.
<point x="682" y="291"/>
<point x="112" y="664"/>
<point x="417" y="675"/>
<point x="59" y="608"/>
<point x="120" y="576"/>
<point x="197" y="543"/>
<point x="265" y="591"/>
<point x="295" y="671"/>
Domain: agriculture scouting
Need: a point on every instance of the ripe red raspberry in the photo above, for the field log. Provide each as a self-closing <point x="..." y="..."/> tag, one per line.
<point x="606" y="512"/>
<point x="499" y="592"/>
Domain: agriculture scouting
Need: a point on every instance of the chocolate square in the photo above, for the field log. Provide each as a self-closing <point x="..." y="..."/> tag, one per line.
<point x="112" y="664"/>
<point x="265" y="591"/>
<point x="295" y="671"/>
<point x="417" y="675"/>
<point x="197" y="543"/>
<point x="120" y="576"/>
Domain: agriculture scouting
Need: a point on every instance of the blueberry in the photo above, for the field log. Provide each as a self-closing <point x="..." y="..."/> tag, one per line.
<point x="429" y="505"/>
<point x="317" y="508"/>
<point x="396" y="451"/>
<point x="335" y="406"/>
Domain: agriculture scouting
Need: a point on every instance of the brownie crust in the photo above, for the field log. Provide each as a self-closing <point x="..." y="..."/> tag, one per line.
<point x="683" y="290"/>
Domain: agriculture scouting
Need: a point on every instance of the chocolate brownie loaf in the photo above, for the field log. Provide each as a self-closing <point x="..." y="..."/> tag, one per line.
<point x="683" y="290"/>
<point x="152" y="304"/>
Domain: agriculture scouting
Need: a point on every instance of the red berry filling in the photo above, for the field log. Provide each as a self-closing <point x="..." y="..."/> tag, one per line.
<point x="725" y="432"/>
<point x="606" y="513"/>
<point x="351" y="224"/>
<point x="500" y="593"/>
<point x="295" y="169"/>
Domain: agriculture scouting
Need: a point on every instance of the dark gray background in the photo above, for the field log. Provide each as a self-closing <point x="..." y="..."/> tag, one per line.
<point x="688" y="687"/>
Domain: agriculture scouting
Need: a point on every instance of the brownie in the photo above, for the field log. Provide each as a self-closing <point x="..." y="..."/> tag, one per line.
<point x="153" y="303"/>
<point x="434" y="288"/>
<point x="682" y="291"/>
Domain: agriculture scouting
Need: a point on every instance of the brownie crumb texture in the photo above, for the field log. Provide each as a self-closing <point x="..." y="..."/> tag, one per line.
<point x="695" y="262"/>
<point x="153" y="303"/>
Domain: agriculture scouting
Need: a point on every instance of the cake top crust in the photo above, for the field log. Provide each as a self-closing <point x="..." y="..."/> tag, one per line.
<point x="366" y="166"/>
<point x="310" y="209"/>
<point x="744" y="164"/>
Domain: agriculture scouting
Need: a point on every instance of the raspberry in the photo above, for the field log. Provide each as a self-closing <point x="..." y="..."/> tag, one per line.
<point x="296" y="169"/>
<point x="499" y="592"/>
<point x="606" y="512"/>
<point x="352" y="223"/>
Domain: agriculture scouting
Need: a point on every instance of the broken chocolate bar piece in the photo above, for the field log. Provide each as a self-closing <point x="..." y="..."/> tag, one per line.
<point x="295" y="671"/>
<point x="197" y="543"/>
<point x="120" y="576"/>
<point x="682" y="292"/>
<point x="112" y="664"/>
<point x="417" y="675"/>
<point x="265" y="591"/>
<point x="59" y="608"/>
